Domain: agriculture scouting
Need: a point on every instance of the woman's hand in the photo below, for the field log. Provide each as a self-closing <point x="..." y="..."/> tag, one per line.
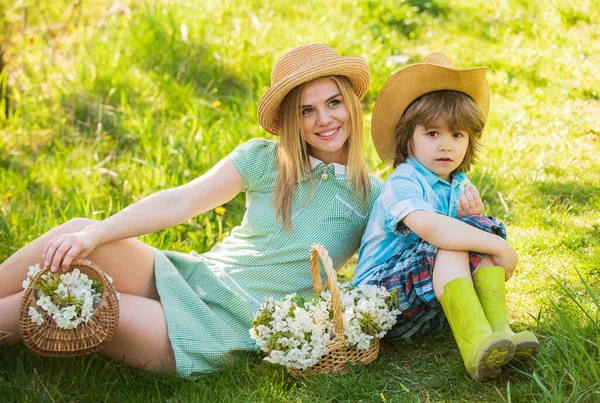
<point x="507" y="258"/>
<point x="469" y="202"/>
<point x="60" y="251"/>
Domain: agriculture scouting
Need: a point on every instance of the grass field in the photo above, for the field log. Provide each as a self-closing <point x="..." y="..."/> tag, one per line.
<point x="105" y="102"/>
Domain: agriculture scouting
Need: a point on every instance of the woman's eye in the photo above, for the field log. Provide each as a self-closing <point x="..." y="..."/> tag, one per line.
<point x="306" y="111"/>
<point x="334" y="102"/>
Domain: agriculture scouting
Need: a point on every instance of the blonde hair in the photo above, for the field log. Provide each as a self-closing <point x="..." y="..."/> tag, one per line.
<point x="294" y="164"/>
<point x="454" y="107"/>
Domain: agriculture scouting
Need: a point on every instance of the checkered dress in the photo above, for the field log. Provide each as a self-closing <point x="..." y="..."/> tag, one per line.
<point x="209" y="299"/>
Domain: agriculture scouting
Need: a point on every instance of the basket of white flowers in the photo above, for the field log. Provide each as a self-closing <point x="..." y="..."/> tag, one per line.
<point x="323" y="333"/>
<point x="70" y="314"/>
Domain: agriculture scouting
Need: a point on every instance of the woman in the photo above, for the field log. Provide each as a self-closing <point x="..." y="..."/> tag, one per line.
<point x="184" y="314"/>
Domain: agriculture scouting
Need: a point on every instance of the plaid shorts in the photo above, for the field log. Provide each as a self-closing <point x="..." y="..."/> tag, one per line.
<point x="411" y="274"/>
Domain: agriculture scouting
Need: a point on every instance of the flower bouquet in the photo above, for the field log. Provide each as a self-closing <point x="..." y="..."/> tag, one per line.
<point x="68" y="314"/>
<point x="320" y="334"/>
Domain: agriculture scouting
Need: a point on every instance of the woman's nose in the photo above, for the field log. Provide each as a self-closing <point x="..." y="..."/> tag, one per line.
<point x="324" y="118"/>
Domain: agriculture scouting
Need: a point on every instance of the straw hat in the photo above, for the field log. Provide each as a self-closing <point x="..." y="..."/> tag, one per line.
<point x="436" y="73"/>
<point x="303" y="64"/>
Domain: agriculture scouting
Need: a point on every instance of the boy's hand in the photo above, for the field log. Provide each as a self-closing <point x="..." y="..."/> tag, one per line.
<point x="507" y="258"/>
<point x="469" y="202"/>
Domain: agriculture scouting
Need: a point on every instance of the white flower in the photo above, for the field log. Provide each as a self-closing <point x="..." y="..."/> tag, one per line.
<point x="69" y="302"/>
<point x="26" y="283"/>
<point x="35" y="316"/>
<point x="33" y="271"/>
<point x="294" y="332"/>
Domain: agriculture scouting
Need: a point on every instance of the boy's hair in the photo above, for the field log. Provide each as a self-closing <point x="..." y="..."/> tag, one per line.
<point x="456" y="108"/>
<point x="294" y="164"/>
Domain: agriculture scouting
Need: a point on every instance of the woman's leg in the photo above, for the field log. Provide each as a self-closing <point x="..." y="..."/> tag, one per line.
<point x="9" y="319"/>
<point x="129" y="262"/>
<point x="141" y="340"/>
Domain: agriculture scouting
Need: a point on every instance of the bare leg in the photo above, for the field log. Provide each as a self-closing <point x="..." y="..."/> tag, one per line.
<point x="448" y="266"/>
<point x="129" y="262"/>
<point x="142" y="340"/>
<point x="486" y="261"/>
<point x="9" y="319"/>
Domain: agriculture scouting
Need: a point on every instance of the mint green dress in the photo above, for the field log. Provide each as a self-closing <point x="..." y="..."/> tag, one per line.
<point x="209" y="299"/>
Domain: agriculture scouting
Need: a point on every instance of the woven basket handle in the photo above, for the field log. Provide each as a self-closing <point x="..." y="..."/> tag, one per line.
<point x="318" y="251"/>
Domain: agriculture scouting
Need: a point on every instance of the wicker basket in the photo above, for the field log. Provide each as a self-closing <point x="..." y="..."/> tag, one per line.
<point x="339" y="354"/>
<point x="51" y="341"/>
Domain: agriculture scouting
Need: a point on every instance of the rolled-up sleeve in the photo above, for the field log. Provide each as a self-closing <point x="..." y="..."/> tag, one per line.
<point x="402" y="194"/>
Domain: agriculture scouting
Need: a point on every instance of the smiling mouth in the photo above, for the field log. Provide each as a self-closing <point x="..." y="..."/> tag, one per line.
<point x="328" y="133"/>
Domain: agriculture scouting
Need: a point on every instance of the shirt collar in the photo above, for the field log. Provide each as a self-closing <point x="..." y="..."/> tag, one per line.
<point x="339" y="168"/>
<point x="430" y="177"/>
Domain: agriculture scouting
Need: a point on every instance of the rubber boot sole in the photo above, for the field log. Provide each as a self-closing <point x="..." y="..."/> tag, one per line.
<point x="492" y="357"/>
<point x="526" y="347"/>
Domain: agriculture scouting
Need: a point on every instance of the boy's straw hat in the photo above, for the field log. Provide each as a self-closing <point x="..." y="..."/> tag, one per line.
<point x="303" y="64"/>
<point x="436" y="73"/>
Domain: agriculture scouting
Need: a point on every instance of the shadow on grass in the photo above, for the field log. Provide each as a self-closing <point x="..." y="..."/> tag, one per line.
<point x="155" y="73"/>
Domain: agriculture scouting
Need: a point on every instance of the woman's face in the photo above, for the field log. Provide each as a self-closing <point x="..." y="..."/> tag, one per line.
<point x="325" y="120"/>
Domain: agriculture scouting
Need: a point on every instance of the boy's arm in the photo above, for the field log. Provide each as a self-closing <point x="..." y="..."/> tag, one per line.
<point x="451" y="234"/>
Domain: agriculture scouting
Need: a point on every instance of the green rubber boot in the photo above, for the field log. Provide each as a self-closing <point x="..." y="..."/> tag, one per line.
<point x="483" y="351"/>
<point x="491" y="290"/>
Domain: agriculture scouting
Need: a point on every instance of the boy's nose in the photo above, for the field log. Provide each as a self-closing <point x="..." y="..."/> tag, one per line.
<point x="444" y="146"/>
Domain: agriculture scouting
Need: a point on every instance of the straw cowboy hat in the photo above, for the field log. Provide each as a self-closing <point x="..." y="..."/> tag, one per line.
<point x="436" y="73"/>
<point x="303" y="64"/>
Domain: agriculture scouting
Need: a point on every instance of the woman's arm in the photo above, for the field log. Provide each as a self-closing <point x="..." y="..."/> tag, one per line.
<point x="451" y="234"/>
<point x="158" y="211"/>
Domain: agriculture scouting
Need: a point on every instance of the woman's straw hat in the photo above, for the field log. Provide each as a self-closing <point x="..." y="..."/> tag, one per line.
<point x="303" y="64"/>
<point x="436" y="73"/>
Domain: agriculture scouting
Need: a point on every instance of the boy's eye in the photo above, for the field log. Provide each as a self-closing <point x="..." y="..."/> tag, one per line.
<point x="432" y="133"/>
<point x="458" y="135"/>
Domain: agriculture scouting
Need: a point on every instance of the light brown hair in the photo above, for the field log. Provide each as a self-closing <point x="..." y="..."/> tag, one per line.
<point x="455" y="108"/>
<point x="294" y="164"/>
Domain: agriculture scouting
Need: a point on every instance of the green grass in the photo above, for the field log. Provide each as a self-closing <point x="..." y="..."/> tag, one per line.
<point x="106" y="108"/>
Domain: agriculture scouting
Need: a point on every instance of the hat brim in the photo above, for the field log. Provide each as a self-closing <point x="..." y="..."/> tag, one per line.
<point x="355" y="69"/>
<point x="408" y="84"/>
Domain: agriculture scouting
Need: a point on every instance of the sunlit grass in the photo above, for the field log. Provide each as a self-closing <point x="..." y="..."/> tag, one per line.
<point x="112" y="101"/>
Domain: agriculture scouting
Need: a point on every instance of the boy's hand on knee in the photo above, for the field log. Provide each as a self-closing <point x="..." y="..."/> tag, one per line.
<point x="507" y="259"/>
<point x="469" y="202"/>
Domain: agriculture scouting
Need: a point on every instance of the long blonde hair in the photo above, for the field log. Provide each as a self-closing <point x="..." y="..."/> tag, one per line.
<point x="294" y="164"/>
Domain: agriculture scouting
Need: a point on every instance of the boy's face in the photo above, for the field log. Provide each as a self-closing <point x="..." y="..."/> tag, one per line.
<point x="438" y="149"/>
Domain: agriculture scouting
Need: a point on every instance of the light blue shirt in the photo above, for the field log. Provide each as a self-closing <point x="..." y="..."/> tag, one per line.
<point x="409" y="188"/>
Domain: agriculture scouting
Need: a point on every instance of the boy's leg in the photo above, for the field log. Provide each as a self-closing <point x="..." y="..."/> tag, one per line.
<point x="129" y="262"/>
<point x="483" y="351"/>
<point x="490" y="287"/>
